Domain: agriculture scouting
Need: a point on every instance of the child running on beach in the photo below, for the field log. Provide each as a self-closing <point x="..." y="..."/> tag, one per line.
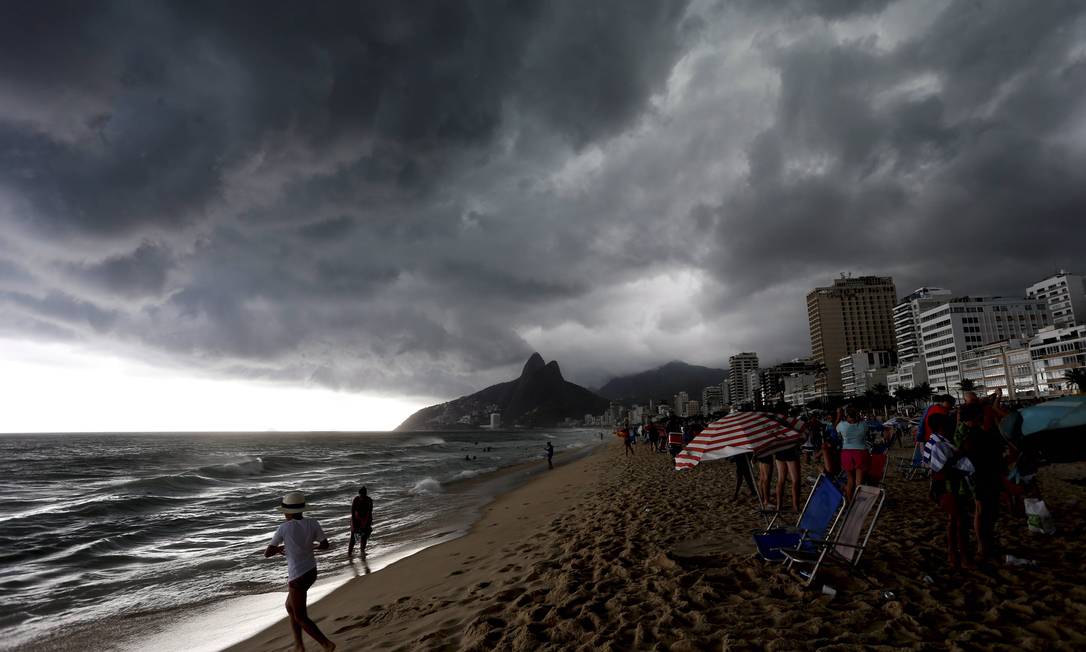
<point x="294" y="540"/>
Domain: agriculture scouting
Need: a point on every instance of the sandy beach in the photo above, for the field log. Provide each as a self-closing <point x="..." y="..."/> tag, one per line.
<point x="614" y="553"/>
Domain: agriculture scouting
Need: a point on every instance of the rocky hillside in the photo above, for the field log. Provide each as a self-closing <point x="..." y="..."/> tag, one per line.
<point x="539" y="397"/>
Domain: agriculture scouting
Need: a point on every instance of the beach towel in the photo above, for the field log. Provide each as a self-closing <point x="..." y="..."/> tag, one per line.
<point x="938" y="451"/>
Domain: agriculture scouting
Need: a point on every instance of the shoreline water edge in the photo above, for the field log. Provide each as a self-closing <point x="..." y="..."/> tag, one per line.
<point x="620" y="551"/>
<point x="443" y="503"/>
<point x="625" y="553"/>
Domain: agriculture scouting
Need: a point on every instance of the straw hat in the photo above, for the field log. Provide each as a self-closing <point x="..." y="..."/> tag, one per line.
<point x="293" y="503"/>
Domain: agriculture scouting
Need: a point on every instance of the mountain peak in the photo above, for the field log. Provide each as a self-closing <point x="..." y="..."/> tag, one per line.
<point x="552" y="367"/>
<point x="540" y="397"/>
<point x="534" y="364"/>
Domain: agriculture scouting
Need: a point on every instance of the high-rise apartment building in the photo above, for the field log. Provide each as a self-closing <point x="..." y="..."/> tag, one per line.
<point x="679" y="401"/>
<point x="739" y="377"/>
<point x="1066" y="297"/>
<point x="854" y="313"/>
<point x="965" y="323"/>
<point x="712" y="399"/>
<point x="1054" y="352"/>
<point x="911" y="370"/>
<point x="907" y="320"/>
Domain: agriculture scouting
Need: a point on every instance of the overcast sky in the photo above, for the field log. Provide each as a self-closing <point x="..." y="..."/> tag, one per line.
<point x="404" y="200"/>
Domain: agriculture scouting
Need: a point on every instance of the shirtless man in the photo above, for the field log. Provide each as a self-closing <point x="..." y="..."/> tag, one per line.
<point x="294" y="540"/>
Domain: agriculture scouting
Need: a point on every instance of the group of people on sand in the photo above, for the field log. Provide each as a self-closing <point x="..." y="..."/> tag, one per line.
<point x="973" y="457"/>
<point x="297" y="539"/>
<point x="668" y="435"/>
<point x="967" y="483"/>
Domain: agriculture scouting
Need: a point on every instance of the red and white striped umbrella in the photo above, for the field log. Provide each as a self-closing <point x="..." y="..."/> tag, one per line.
<point x="738" y="433"/>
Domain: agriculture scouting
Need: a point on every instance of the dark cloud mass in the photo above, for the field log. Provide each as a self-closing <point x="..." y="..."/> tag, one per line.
<point x="411" y="197"/>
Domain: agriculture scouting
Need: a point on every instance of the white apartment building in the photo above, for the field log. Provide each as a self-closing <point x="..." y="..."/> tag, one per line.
<point x="1002" y="365"/>
<point x="800" y="388"/>
<point x="910" y="370"/>
<point x="862" y="370"/>
<point x="948" y="330"/>
<point x="712" y="399"/>
<point x="740" y="367"/>
<point x="907" y="375"/>
<point x="693" y="408"/>
<point x="1066" y="297"/>
<point x="1055" y="351"/>
<point x="907" y="320"/>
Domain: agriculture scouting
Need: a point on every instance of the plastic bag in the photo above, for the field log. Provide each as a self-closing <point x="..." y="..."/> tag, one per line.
<point x="1038" y="517"/>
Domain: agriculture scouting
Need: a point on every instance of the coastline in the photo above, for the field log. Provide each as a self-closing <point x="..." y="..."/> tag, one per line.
<point x="524" y="498"/>
<point x="214" y="624"/>
<point x="625" y="553"/>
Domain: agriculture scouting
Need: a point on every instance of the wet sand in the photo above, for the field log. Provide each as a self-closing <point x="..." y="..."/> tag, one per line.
<point x="614" y="553"/>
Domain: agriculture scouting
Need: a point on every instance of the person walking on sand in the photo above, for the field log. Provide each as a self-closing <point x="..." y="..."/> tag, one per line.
<point x="361" y="522"/>
<point x="550" y="455"/>
<point x="855" y="458"/>
<point x="742" y="472"/>
<point x="294" y="540"/>
<point x="630" y="437"/>
<point x="787" y="465"/>
<point x="947" y="489"/>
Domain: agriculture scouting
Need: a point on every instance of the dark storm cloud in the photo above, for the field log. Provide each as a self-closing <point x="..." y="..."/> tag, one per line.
<point x="944" y="159"/>
<point x="414" y="196"/>
<point x="140" y="272"/>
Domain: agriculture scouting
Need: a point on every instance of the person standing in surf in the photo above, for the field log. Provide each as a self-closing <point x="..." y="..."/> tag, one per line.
<point x="294" y="540"/>
<point x="550" y="455"/>
<point x="361" y="522"/>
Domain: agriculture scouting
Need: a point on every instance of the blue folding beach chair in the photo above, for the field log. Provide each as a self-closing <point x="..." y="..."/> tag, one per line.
<point x="815" y="521"/>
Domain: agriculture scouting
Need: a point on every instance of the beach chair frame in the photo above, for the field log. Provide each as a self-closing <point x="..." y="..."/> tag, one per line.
<point x="822" y="477"/>
<point x="804" y="535"/>
<point x="913" y="466"/>
<point x="828" y="548"/>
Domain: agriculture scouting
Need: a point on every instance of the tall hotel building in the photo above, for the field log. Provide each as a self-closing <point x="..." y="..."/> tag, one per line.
<point x="855" y="313"/>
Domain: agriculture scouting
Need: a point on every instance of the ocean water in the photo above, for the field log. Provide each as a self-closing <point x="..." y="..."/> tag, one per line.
<point x="99" y="526"/>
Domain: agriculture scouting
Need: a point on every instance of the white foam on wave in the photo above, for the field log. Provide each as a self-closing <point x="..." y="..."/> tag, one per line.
<point x="418" y="442"/>
<point x="245" y="466"/>
<point x="471" y="473"/>
<point x="425" y="486"/>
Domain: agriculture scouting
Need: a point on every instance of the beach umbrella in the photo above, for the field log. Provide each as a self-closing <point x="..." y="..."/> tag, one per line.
<point x="1051" y="432"/>
<point x="739" y="433"/>
<point x="753" y="434"/>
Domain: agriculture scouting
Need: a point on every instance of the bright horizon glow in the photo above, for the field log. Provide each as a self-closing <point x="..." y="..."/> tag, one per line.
<point x="58" y="388"/>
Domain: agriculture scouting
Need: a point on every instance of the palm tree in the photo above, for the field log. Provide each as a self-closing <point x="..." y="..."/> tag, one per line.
<point x="1076" y="377"/>
<point x="881" y="395"/>
<point x="968" y="385"/>
<point x="923" y="392"/>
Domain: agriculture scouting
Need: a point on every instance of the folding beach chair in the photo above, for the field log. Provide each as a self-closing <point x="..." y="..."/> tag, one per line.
<point x="815" y="522"/>
<point x="913" y="467"/>
<point x="849" y="540"/>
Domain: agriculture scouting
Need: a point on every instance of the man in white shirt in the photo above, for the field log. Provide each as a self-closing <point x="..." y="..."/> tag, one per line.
<point x="294" y="539"/>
